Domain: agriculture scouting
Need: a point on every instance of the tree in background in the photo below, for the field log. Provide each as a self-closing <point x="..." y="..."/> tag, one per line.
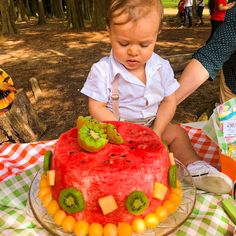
<point x="57" y="8"/>
<point x="7" y="20"/>
<point x="41" y="14"/>
<point x="22" y="16"/>
<point x="98" y="14"/>
<point x="75" y="12"/>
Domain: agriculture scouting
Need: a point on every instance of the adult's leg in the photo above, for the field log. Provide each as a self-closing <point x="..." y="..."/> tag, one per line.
<point x="182" y="19"/>
<point x="225" y="93"/>
<point x="227" y="79"/>
<point x="189" y="15"/>
<point x="201" y="8"/>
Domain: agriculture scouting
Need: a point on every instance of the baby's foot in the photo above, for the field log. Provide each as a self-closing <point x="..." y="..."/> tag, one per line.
<point x="208" y="178"/>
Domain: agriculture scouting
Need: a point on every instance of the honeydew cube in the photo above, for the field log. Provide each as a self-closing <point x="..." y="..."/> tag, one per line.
<point x="51" y="177"/>
<point x="108" y="204"/>
<point x="172" y="159"/>
<point x="159" y="191"/>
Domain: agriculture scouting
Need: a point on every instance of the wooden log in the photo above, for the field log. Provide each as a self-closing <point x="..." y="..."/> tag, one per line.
<point x="21" y="123"/>
<point x="179" y="58"/>
<point x="35" y="88"/>
<point x="179" y="61"/>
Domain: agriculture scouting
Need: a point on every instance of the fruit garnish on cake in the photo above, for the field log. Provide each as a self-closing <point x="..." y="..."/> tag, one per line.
<point x="94" y="135"/>
<point x="109" y="178"/>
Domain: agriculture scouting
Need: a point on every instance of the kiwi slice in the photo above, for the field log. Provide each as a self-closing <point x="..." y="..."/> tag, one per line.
<point x="113" y="135"/>
<point x="172" y="174"/>
<point x="136" y="203"/>
<point x="92" y="138"/>
<point x="47" y="160"/>
<point x="88" y="120"/>
<point x="83" y="120"/>
<point x="71" y="200"/>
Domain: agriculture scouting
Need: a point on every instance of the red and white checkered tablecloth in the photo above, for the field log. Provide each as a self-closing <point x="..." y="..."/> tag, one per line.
<point x="15" y="158"/>
<point x="204" y="146"/>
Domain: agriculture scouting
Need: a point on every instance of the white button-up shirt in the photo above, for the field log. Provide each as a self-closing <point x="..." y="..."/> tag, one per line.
<point x="136" y="99"/>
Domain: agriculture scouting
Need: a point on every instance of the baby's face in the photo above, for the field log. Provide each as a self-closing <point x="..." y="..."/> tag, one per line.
<point x="133" y="42"/>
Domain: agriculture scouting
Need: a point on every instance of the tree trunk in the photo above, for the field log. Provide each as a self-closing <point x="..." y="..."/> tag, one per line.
<point x="21" y="11"/>
<point x="21" y="123"/>
<point x="57" y="9"/>
<point x="33" y="7"/>
<point x="42" y="18"/>
<point x="88" y="9"/>
<point x="8" y="25"/>
<point x="28" y="10"/>
<point x="98" y="19"/>
<point x="75" y="14"/>
<point x="13" y="10"/>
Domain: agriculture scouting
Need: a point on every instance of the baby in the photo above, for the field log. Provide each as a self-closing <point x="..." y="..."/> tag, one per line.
<point x="135" y="84"/>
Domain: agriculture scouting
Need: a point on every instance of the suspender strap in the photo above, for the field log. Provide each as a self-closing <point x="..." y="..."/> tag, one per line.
<point x="115" y="106"/>
<point x="115" y="97"/>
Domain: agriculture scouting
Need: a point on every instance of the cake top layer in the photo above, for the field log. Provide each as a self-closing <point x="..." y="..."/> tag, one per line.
<point x="141" y="145"/>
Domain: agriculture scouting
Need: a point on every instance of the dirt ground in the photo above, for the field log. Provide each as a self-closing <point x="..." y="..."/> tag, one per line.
<point x="60" y="60"/>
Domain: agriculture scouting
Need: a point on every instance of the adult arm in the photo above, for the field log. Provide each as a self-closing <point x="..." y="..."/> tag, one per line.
<point x="164" y="114"/>
<point x="209" y="59"/>
<point x="226" y="7"/>
<point x="192" y="77"/>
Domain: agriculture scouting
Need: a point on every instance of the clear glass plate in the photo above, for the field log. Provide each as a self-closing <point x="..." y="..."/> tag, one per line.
<point x="164" y="228"/>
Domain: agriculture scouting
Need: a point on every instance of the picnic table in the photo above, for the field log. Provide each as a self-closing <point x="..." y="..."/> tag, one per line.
<point x="19" y="163"/>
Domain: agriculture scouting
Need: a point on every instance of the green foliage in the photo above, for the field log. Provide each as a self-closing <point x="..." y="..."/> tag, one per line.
<point x="174" y="3"/>
<point x="170" y="3"/>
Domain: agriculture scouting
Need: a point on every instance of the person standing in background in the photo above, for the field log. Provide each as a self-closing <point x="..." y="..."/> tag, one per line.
<point x="188" y="11"/>
<point x="181" y="13"/>
<point x="200" y="8"/>
<point x="218" y="10"/>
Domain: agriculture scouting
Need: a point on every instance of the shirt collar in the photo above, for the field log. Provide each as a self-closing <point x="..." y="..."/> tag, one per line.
<point x="152" y="65"/>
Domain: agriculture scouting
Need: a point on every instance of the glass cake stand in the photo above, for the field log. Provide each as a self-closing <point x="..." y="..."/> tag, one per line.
<point x="165" y="228"/>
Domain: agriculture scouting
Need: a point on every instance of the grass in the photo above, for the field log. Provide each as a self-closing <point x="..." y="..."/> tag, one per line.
<point x="174" y="3"/>
<point x="170" y="3"/>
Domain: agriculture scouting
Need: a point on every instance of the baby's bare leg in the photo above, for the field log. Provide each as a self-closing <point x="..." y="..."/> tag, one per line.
<point x="179" y="143"/>
<point x="205" y="176"/>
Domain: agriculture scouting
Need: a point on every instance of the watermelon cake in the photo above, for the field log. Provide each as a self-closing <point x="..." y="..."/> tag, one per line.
<point x="127" y="182"/>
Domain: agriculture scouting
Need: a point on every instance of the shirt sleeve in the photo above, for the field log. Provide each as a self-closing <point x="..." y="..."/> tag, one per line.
<point x="222" y="45"/>
<point x="169" y="83"/>
<point x="96" y="85"/>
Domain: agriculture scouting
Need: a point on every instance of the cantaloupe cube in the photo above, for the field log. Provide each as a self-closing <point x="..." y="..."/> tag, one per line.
<point x="172" y="159"/>
<point x="107" y="204"/>
<point x="51" y="177"/>
<point x="159" y="191"/>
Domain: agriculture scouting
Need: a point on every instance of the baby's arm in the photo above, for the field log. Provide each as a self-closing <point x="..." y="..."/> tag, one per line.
<point x="164" y="114"/>
<point x="99" y="111"/>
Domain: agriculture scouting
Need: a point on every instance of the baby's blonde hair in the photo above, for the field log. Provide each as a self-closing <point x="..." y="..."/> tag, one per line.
<point x="134" y="9"/>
